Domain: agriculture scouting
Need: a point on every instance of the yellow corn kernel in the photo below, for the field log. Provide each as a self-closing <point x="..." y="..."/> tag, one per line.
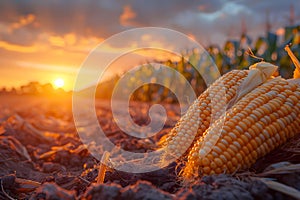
<point x="277" y="126"/>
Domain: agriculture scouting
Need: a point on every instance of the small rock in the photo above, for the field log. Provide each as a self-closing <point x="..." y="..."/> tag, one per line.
<point x="49" y="167"/>
<point x="51" y="191"/>
<point x="102" y="191"/>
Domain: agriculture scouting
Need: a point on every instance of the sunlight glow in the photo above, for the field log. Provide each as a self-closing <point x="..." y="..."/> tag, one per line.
<point x="59" y="82"/>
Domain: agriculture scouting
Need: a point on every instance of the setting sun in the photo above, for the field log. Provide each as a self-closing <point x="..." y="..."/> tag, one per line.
<point x="59" y="82"/>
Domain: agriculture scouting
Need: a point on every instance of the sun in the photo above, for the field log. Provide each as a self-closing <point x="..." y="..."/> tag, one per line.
<point x="59" y="83"/>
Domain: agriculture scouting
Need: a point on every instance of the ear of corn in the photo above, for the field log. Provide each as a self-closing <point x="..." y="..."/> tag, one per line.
<point x="199" y="116"/>
<point x="261" y="121"/>
<point x="264" y="113"/>
<point x="210" y="105"/>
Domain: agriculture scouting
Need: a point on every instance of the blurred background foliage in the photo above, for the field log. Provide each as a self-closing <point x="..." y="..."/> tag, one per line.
<point x="233" y="55"/>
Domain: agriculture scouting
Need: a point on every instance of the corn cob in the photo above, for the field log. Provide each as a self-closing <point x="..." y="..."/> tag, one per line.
<point x="256" y="122"/>
<point x="261" y="121"/>
<point x="208" y="108"/>
<point x="198" y="117"/>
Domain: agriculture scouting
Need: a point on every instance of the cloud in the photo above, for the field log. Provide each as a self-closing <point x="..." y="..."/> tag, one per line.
<point x="69" y="39"/>
<point x="48" y="67"/>
<point x="101" y="19"/>
<point x="127" y="16"/>
<point x="23" y="21"/>
<point x="57" y="41"/>
<point x="72" y="42"/>
<point x="209" y="7"/>
<point x="18" y="48"/>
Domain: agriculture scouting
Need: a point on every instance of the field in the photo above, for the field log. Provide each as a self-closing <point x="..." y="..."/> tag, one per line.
<point x="42" y="157"/>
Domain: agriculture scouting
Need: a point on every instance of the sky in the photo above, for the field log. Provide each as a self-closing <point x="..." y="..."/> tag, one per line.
<point x="45" y="40"/>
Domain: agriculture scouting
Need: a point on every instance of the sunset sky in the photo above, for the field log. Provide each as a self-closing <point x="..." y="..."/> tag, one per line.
<point x="45" y="40"/>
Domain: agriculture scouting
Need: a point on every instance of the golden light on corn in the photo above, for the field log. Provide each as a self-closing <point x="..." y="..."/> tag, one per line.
<point x="257" y="121"/>
<point x="198" y="117"/>
<point x="261" y="121"/>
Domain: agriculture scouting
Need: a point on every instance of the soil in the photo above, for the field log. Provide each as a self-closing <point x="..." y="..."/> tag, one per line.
<point x="42" y="157"/>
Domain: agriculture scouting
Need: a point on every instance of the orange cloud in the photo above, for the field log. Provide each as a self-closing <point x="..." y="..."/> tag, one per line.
<point x="17" y="48"/>
<point x="57" y="41"/>
<point x="203" y="7"/>
<point x="69" y="39"/>
<point x="73" y="42"/>
<point x="48" y="67"/>
<point x="127" y="16"/>
<point x="23" y="21"/>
